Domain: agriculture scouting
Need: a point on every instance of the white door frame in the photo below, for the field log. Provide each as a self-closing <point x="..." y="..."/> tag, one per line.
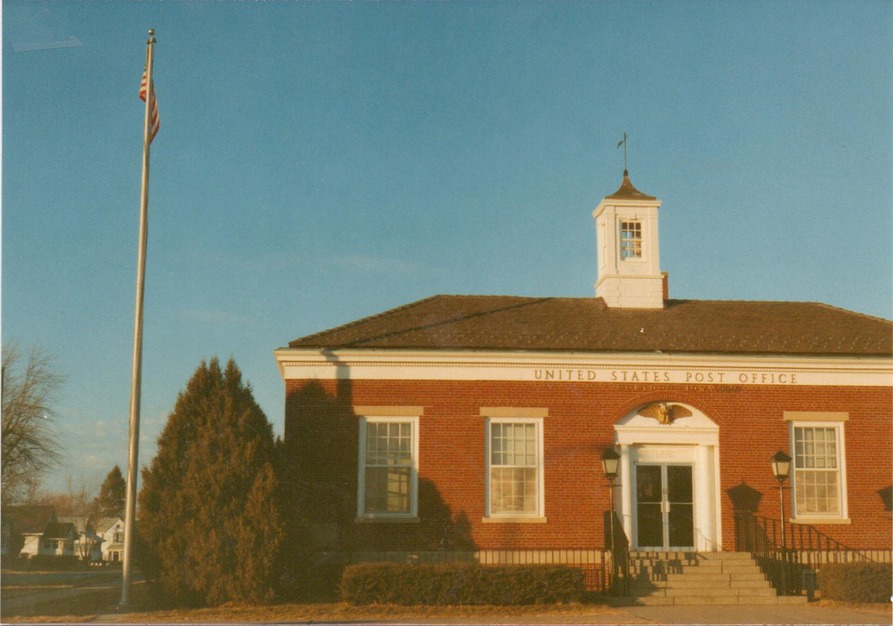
<point x="694" y="440"/>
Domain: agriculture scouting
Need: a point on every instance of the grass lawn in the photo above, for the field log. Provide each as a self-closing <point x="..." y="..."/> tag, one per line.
<point x="321" y="612"/>
<point x="339" y="612"/>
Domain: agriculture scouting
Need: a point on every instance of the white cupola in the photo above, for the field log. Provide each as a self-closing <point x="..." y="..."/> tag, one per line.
<point x="629" y="274"/>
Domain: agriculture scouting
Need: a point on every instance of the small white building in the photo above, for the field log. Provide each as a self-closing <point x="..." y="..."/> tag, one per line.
<point x="88" y="545"/>
<point x="59" y="539"/>
<point x="110" y="530"/>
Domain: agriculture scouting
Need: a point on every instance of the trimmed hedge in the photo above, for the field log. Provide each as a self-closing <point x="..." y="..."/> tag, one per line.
<point x="52" y="562"/>
<point x="856" y="582"/>
<point x="460" y="584"/>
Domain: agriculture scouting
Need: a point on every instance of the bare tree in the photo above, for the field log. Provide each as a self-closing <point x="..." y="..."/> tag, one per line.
<point x="29" y="445"/>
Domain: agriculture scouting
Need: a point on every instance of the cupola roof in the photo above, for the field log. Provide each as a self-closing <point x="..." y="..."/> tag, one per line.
<point x="628" y="192"/>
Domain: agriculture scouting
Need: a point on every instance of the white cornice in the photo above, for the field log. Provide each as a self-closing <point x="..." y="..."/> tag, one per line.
<point x="659" y="368"/>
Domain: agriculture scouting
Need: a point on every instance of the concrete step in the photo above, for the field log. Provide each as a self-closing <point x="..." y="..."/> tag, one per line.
<point x="714" y="565"/>
<point x="707" y="576"/>
<point x="675" y="554"/>
<point x="645" y="591"/>
<point x="717" y="593"/>
<point x="702" y="600"/>
<point x="724" y="556"/>
<point x="697" y="572"/>
<point x="683" y="580"/>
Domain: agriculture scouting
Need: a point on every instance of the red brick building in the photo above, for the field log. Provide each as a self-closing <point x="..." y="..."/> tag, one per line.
<point x="477" y="424"/>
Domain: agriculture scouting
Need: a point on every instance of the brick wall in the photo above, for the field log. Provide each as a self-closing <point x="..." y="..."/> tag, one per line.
<point x="321" y="433"/>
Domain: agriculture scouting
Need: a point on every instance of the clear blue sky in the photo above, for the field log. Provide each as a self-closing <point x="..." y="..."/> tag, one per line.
<point x="320" y="162"/>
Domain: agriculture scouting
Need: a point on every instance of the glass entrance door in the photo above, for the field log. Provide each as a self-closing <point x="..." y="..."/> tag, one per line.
<point x="664" y="507"/>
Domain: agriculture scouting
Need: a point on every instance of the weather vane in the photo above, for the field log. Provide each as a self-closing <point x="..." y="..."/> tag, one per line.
<point x="622" y="142"/>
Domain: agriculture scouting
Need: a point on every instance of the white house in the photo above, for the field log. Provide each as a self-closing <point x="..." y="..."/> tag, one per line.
<point x="59" y="539"/>
<point x="88" y="544"/>
<point x="110" y="530"/>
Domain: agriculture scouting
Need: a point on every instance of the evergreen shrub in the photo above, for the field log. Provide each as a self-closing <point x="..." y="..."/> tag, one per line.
<point x="856" y="582"/>
<point x="460" y="584"/>
<point x="210" y="517"/>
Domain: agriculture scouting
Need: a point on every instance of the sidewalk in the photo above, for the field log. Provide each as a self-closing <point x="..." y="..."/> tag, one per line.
<point x="754" y="614"/>
<point x="818" y="613"/>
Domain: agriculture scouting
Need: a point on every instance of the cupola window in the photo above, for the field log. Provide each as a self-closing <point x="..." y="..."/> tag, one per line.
<point x="631" y="240"/>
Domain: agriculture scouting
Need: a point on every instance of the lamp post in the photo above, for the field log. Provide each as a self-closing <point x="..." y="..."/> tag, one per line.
<point x="781" y="469"/>
<point x="610" y="466"/>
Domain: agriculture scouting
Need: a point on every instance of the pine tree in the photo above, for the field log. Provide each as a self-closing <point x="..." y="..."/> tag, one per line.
<point x="112" y="495"/>
<point x="209" y="512"/>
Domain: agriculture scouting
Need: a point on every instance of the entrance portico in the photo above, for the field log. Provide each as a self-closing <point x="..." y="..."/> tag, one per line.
<point x="669" y="487"/>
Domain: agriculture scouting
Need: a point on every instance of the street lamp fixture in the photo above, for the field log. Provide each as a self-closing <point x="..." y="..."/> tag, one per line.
<point x="781" y="469"/>
<point x="781" y="466"/>
<point x="610" y="464"/>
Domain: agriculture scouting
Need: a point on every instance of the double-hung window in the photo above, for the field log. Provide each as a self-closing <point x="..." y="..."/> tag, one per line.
<point x="514" y="467"/>
<point x="388" y="467"/>
<point x="818" y="474"/>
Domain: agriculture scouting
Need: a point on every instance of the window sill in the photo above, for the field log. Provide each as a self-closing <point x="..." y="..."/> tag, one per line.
<point x="514" y="519"/>
<point x="384" y="519"/>
<point x="818" y="521"/>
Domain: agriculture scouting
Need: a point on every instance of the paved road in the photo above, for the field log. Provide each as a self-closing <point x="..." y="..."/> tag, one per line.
<point x="53" y="593"/>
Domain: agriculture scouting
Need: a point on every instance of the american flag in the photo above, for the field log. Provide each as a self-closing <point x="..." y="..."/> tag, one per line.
<point x="155" y="121"/>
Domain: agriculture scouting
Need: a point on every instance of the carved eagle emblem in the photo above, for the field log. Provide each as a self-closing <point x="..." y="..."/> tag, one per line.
<point x="664" y="412"/>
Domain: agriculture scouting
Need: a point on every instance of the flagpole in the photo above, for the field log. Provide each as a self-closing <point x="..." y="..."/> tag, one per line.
<point x="135" y="384"/>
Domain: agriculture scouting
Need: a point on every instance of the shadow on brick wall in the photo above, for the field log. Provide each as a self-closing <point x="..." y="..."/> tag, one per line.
<point x="321" y="446"/>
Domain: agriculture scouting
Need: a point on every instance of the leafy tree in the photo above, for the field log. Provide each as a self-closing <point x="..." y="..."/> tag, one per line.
<point x="209" y="513"/>
<point x="29" y="445"/>
<point x="112" y="495"/>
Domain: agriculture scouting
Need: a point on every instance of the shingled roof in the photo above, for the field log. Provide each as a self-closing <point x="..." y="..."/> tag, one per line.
<point x="628" y="192"/>
<point x="587" y="325"/>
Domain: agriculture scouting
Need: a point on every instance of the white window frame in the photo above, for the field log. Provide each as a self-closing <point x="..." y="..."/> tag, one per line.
<point x="636" y="244"/>
<point x="539" y="514"/>
<point x="414" y="470"/>
<point x="842" y="516"/>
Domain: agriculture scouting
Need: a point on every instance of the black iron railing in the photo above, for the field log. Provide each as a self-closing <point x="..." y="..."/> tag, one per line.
<point x="791" y="560"/>
<point x="617" y="546"/>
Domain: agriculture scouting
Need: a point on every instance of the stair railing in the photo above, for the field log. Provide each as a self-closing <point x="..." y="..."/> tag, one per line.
<point x="790" y="562"/>
<point x="618" y="547"/>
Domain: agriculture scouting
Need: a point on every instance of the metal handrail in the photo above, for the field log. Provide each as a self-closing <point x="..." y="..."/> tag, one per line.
<point x="790" y="561"/>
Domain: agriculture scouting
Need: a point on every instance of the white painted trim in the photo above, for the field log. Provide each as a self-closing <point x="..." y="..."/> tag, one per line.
<point x="693" y="441"/>
<point x="389" y="411"/>
<point x="540" y="470"/>
<point x="697" y="372"/>
<point x="819" y="521"/>
<point x="516" y="519"/>
<point x="843" y="502"/>
<point x="414" y="471"/>
<point x="513" y="411"/>
<point x="816" y="416"/>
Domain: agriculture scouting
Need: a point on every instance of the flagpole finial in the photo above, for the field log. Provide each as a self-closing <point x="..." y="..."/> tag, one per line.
<point x="151" y="36"/>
